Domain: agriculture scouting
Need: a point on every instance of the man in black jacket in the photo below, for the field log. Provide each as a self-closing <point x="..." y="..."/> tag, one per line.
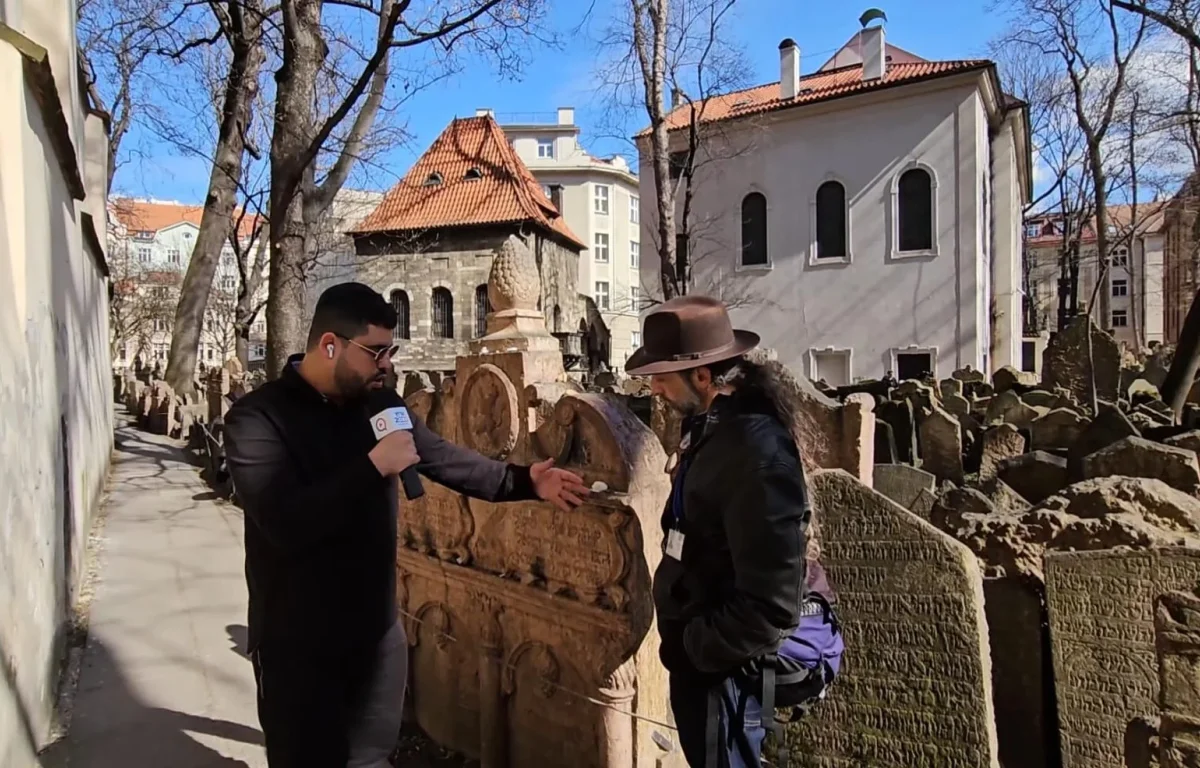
<point x="731" y="581"/>
<point x="321" y="506"/>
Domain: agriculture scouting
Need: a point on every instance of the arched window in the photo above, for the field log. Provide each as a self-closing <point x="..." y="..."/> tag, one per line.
<point x="914" y="210"/>
<point x="442" y="307"/>
<point x="754" y="229"/>
<point x="557" y="319"/>
<point x="831" y="221"/>
<point x="483" y="307"/>
<point x="399" y="301"/>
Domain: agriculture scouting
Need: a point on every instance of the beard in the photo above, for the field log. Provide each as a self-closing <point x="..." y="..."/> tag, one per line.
<point x="352" y="385"/>
<point x="687" y="405"/>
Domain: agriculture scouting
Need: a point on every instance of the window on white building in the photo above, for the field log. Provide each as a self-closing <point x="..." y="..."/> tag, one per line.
<point x="1120" y="257"/>
<point x="831" y="221"/>
<point x="913" y="365"/>
<point x="1033" y="230"/>
<point x="208" y="354"/>
<point x="754" y="230"/>
<point x="143" y="255"/>
<point x="1120" y="287"/>
<point x="600" y="199"/>
<point x="173" y="255"/>
<point x="634" y="209"/>
<point x="601" y="295"/>
<point x="635" y="339"/>
<point x="600" y="248"/>
<point x="914" y="214"/>
<point x="1120" y="318"/>
<point x="546" y="148"/>
<point x="635" y="254"/>
<point x="831" y="366"/>
<point x="229" y="283"/>
<point x="635" y="298"/>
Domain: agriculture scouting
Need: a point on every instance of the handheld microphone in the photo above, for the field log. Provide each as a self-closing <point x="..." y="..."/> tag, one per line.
<point x="394" y="416"/>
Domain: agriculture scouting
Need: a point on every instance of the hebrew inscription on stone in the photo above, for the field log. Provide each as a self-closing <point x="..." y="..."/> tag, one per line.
<point x="1101" y="608"/>
<point x="915" y="688"/>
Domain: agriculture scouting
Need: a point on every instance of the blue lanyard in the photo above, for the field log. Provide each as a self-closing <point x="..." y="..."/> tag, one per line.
<point x="677" y="488"/>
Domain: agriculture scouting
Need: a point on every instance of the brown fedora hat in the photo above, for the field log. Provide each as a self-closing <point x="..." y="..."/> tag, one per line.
<point x="688" y="332"/>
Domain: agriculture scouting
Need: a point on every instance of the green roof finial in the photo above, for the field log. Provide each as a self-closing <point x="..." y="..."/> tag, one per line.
<point x="871" y="14"/>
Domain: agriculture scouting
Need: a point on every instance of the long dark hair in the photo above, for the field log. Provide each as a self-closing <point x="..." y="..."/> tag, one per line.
<point x="760" y="384"/>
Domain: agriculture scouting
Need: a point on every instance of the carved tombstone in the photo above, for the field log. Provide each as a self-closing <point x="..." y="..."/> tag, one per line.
<point x="915" y="689"/>
<point x="1177" y="642"/>
<point x="942" y="446"/>
<point x="1065" y="363"/>
<point x="1101" y="610"/>
<point x="522" y="616"/>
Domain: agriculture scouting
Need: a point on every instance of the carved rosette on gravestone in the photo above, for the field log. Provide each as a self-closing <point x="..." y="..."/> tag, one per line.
<point x="915" y="688"/>
<point x="549" y="611"/>
<point x="1101" y="610"/>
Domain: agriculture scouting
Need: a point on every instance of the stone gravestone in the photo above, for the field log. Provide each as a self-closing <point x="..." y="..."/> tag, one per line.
<point x="903" y="484"/>
<point x="1177" y="642"/>
<point x="942" y="446"/>
<point x="1065" y="362"/>
<point x="899" y="414"/>
<point x="1101" y="610"/>
<point x="532" y="629"/>
<point x="915" y="689"/>
<point x="1001" y="442"/>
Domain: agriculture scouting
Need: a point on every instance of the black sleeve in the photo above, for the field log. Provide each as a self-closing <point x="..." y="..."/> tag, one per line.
<point x="292" y="511"/>
<point x="467" y="472"/>
<point x="764" y="520"/>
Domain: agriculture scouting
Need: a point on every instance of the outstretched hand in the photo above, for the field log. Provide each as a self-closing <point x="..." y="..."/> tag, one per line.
<point x="558" y="486"/>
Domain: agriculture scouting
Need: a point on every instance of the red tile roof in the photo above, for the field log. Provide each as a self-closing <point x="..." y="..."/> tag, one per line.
<point x="504" y="192"/>
<point x="145" y="216"/>
<point x="820" y="86"/>
<point x="1149" y="221"/>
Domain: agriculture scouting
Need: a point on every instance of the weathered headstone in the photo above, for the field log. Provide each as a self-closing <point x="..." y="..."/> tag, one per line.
<point x="1066" y="362"/>
<point x="1059" y="428"/>
<point x="1008" y="408"/>
<point x="915" y="688"/>
<point x="1040" y="398"/>
<point x="1189" y="440"/>
<point x="1101" y="610"/>
<point x="1109" y="426"/>
<point x="942" y="446"/>
<point x="885" y="443"/>
<point x="899" y="414"/>
<point x="903" y="483"/>
<point x="1139" y="457"/>
<point x="1177" y="642"/>
<point x="1001" y="442"/>
<point x="1036" y="475"/>
<point x="1008" y="377"/>
<point x="950" y="387"/>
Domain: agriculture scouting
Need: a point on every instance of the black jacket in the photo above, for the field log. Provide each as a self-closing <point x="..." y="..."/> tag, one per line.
<point x="737" y="590"/>
<point x="321" y="521"/>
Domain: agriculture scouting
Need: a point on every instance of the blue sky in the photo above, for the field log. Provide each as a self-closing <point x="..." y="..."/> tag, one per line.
<point x="935" y="29"/>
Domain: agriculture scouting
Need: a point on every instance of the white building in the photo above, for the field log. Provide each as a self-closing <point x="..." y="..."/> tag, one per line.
<point x="55" y="378"/>
<point x="868" y="214"/>
<point x="151" y="244"/>
<point x="599" y="200"/>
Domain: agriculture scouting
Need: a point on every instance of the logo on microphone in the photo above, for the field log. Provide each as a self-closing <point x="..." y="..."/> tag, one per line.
<point x="380" y="424"/>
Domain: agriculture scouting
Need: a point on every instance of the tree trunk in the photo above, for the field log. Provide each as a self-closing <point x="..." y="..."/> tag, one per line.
<point x="1179" y="379"/>
<point x="241" y="88"/>
<point x="295" y="93"/>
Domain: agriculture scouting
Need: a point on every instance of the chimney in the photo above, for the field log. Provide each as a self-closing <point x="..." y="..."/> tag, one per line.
<point x="677" y="98"/>
<point x="566" y="115"/>
<point x="874" y="53"/>
<point x="483" y="112"/>
<point x="789" y="69"/>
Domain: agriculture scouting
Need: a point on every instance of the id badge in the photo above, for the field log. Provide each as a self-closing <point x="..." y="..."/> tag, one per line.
<point x="675" y="544"/>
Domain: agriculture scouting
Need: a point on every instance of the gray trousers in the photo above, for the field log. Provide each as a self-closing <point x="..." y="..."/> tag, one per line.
<point x="374" y="732"/>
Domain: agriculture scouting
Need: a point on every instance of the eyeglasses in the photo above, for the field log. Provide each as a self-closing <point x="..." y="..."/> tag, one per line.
<point x="379" y="353"/>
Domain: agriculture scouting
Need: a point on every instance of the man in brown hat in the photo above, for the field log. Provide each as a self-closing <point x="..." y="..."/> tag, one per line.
<point x="731" y="584"/>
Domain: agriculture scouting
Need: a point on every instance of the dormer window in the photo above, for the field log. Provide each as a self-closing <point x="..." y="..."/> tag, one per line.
<point x="433" y="180"/>
<point x="473" y="173"/>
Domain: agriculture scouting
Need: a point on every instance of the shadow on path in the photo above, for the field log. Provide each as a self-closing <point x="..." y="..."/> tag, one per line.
<point x="128" y="732"/>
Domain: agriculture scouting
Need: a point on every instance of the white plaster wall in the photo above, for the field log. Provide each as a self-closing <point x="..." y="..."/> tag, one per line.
<point x="1007" y="251"/>
<point x="55" y="394"/>
<point x="1152" y="288"/>
<point x="876" y="302"/>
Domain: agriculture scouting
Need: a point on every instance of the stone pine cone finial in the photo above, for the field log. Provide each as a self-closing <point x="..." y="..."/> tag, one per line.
<point x="514" y="282"/>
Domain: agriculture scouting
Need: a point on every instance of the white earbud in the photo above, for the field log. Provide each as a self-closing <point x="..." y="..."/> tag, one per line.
<point x="329" y="350"/>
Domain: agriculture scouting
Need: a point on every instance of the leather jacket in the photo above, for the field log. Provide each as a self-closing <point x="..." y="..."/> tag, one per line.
<point x="737" y="588"/>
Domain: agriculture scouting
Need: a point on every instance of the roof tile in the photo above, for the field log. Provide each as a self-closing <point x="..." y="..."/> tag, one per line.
<point x="814" y="88"/>
<point x="504" y="191"/>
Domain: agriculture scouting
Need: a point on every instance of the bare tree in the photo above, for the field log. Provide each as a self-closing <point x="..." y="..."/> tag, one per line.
<point x="118" y="42"/>
<point x="683" y="48"/>
<point x="142" y="302"/>
<point x="240" y="23"/>
<point x="314" y="146"/>
<point x="1180" y="17"/>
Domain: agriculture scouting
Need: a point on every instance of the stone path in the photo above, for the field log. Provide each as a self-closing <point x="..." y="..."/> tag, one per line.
<point x="163" y="679"/>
